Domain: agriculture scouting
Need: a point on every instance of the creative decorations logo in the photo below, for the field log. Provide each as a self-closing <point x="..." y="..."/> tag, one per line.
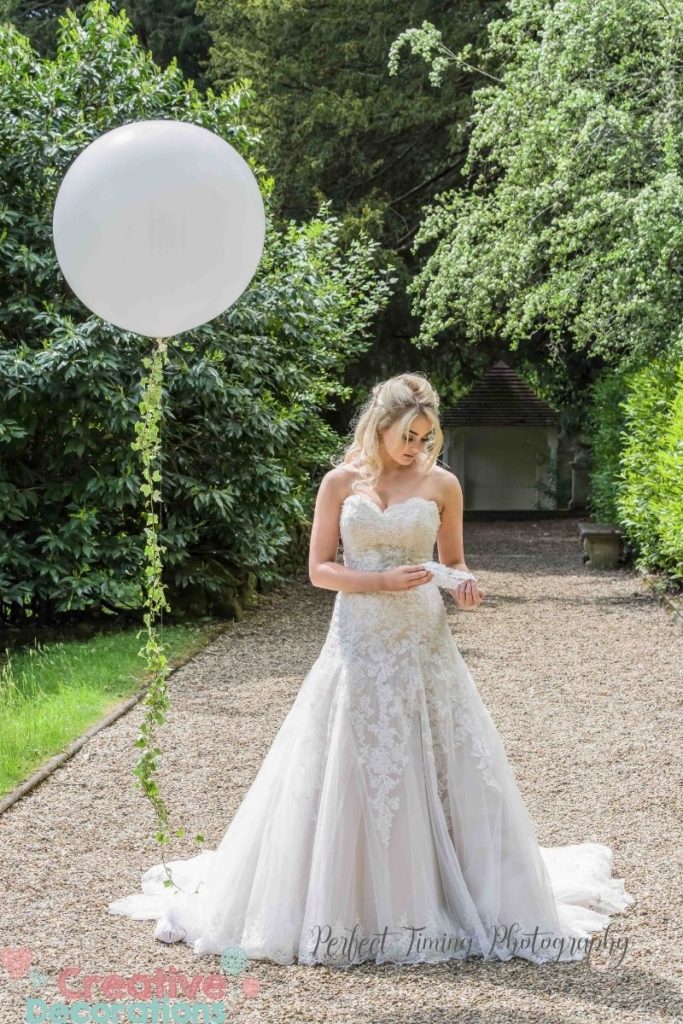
<point x="138" y="999"/>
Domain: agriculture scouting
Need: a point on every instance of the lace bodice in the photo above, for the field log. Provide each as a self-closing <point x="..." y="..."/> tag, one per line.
<point x="401" y="534"/>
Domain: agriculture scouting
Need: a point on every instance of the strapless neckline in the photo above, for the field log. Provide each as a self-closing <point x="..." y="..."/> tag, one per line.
<point x="396" y="504"/>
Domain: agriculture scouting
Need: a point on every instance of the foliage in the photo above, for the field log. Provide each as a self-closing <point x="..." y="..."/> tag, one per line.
<point x="338" y="126"/>
<point x="244" y="396"/>
<point x="167" y="28"/>
<point x="156" y="703"/>
<point x="650" y="499"/>
<point x="635" y="428"/>
<point x="668" y="500"/>
<point x="568" y="234"/>
<point x="605" y="430"/>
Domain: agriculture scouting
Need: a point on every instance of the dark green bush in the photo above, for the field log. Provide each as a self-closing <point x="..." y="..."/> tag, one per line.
<point x="243" y="427"/>
<point x="605" y="424"/>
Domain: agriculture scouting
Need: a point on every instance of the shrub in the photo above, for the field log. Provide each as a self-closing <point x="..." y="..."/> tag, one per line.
<point x="243" y="426"/>
<point x="605" y="424"/>
<point x="649" y="497"/>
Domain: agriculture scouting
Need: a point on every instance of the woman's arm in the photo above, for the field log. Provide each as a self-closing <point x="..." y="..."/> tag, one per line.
<point x="449" y="538"/>
<point x="449" y="542"/>
<point x="323" y="569"/>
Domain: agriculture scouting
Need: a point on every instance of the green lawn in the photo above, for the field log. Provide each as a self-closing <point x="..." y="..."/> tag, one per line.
<point x="51" y="693"/>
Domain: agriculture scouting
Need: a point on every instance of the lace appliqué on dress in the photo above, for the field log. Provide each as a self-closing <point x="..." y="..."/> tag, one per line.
<point x="391" y="643"/>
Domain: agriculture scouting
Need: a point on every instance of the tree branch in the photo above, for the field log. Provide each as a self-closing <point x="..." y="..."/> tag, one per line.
<point x="423" y="184"/>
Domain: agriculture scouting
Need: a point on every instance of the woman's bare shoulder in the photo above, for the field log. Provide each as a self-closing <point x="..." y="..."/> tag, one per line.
<point x="443" y="473"/>
<point x="344" y="471"/>
<point x="444" y="484"/>
<point x="447" y="483"/>
<point x="340" y="478"/>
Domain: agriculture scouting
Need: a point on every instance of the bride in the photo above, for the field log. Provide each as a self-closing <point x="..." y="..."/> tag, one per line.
<point x="385" y="822"/>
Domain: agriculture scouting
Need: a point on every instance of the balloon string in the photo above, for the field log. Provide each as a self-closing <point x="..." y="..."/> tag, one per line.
<point x="157" y="701"/>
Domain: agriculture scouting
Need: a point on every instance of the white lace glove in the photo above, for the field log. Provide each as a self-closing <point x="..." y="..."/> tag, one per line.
<point x="446" y="577"/>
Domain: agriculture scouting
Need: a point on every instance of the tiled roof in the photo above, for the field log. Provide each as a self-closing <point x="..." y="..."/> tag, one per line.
<point x="500" y="398"/>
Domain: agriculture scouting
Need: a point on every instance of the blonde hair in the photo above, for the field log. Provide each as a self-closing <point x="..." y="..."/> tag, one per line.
<point x="402" y="397"/>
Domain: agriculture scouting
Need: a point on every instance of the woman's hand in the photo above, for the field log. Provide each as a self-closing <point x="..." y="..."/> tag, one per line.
<point x="403" y="577"/>
<point x="467" y="595"/>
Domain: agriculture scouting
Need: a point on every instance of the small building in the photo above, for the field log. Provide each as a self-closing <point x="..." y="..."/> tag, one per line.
<point x="503" y="443"/>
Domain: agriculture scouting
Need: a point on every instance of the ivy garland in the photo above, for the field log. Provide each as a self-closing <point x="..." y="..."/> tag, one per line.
<point x="156" y="701"/>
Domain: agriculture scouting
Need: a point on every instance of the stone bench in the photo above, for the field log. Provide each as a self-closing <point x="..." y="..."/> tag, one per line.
<point x="602" y="544"/>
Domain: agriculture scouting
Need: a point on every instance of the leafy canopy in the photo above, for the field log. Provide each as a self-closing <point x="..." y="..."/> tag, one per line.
<point x="569" y="231"/>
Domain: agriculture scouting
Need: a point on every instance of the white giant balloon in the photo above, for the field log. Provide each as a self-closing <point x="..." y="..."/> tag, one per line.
<point x="159" y="226"/>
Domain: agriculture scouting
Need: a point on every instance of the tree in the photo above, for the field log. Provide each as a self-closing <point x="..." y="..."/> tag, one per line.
<point x="567" y="240"/>
<point x="337" y="125"/>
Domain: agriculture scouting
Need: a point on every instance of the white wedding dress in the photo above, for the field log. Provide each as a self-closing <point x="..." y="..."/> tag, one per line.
<point x="385" y="823"/>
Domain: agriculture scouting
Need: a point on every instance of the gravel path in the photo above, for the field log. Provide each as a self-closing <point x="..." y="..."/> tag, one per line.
<point x="581" y="671"/>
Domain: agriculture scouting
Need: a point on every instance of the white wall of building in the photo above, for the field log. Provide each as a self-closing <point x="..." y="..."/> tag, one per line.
<point x="498" y="466"/>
